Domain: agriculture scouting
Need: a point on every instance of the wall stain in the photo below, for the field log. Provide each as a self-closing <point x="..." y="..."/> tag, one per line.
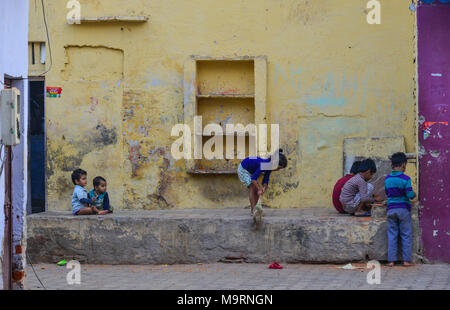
<point x="135" y="157"/>
<point x="67" y="155"/>
<point x="106" y="136"/>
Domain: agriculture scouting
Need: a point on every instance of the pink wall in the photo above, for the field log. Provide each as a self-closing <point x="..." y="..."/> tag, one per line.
<point x="433" y="22"/>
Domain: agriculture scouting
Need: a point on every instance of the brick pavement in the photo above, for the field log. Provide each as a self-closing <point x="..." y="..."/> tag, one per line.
<point x="224" y="276"/>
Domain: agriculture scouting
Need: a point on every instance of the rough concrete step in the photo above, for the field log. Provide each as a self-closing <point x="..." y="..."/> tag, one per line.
<point x="209" y="235"/>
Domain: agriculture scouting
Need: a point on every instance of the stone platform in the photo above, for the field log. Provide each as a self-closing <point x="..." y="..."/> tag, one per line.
<point x="315" y="235"/>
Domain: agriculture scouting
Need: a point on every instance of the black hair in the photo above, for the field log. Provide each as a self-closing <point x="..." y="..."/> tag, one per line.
<point x="76" y="175"/>
<point x="398" y="159"/>
<point x="355" y="167"/>
<point x="282" y="160"/>
<point x="367" y="164"/>
<point x="97" y="181"/>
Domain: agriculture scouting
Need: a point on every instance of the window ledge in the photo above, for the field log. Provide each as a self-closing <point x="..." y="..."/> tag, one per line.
<point x="109" y="19"/>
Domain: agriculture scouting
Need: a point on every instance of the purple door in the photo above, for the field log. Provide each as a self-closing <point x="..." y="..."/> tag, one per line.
<point x="433" y="22"/>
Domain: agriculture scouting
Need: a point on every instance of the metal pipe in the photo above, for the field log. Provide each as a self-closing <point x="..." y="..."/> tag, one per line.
<point x="7" y="243"/>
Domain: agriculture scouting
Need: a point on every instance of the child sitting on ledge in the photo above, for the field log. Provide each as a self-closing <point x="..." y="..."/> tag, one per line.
<point x="357" y="194"/>
<point x="340" y="184"/>
<point x="81" y="204"/>
<point x="99" y="196"/>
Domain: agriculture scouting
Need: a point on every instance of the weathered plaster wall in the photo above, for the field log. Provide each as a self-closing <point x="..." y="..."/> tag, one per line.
<point x="331" y="76"/>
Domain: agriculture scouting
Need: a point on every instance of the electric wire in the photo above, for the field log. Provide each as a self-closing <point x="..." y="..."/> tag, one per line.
<point x="3" y="161"/>
<point x="48" y="40"/>
<point x="32" y="267"/>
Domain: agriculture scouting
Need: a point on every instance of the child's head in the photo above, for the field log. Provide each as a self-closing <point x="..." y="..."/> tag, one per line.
<point x="355" y="167"/>
<point x="99" y="184"/>
<point x="79" y="177"/>
<point x="398" y="161"/>
<point x="367" y="168"/>
<point x="282" y="160"/>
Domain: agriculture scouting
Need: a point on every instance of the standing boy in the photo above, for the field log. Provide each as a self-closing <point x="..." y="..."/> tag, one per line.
<point x="399" y="193"/>
<point x="357" y="193"/>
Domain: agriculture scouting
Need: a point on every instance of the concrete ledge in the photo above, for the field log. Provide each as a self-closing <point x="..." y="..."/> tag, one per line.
<point x="213" y="235"/>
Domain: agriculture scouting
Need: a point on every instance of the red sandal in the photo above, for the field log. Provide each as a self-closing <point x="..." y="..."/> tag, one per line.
<point x="275" y="265"/>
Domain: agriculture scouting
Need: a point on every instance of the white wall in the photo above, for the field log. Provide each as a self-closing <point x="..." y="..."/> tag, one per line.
<point x="14" y="62"/>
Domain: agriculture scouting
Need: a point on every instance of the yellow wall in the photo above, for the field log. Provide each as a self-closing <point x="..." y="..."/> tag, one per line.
<point x="330" y="76"/>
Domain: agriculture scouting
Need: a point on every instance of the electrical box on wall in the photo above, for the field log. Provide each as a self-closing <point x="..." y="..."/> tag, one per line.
<point x="10" y="116"/>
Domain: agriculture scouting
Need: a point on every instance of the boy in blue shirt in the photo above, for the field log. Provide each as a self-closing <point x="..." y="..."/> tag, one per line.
<point x="81" y="204"/>
<point x="249" y="171"/>
<point x="399" y="192"/>
<point x="100" y="197"/>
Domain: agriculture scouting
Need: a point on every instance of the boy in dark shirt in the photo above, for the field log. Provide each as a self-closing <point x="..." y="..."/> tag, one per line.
<point x="340" y="183"/>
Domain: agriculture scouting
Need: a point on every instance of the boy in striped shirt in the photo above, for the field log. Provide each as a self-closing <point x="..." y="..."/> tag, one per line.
<point x="399" y="192"/>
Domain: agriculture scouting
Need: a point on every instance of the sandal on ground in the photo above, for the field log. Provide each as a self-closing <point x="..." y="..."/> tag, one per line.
<point x="275" y="265"/>
<point x="364" y="214"/>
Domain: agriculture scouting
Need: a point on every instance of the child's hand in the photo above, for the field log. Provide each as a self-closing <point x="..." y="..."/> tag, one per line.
<point x="378" y="198"/>
<point x="260" y="192"/>
<point x="264" y="188"/>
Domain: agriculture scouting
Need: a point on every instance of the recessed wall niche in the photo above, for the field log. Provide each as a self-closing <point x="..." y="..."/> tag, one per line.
<point x="224" y="91"/>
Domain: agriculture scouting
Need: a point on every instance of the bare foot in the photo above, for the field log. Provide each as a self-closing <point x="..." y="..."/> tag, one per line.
<point x="391" y="264"/>
<point x="408" y="264"/>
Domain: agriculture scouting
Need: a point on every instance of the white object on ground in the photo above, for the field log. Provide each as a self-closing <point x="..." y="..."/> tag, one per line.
<point x="349" y="267"/>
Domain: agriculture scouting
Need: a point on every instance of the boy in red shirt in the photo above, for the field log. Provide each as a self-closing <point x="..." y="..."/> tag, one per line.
<point x="340" y="184"/>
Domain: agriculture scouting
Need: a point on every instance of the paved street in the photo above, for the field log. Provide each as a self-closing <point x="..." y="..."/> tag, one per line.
<point x="239" y="276"/>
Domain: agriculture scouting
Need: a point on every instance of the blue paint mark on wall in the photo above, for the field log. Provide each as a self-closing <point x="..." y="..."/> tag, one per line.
<point x="329" y="95"/>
